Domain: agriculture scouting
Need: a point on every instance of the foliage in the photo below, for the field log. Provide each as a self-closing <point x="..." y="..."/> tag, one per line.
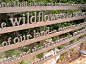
<point x="22" y="62"/>
<point x="62" y="56"/>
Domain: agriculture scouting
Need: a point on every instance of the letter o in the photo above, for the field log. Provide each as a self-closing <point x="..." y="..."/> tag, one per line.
<point x="4" y="43"/>
<point x="16" y="39"/>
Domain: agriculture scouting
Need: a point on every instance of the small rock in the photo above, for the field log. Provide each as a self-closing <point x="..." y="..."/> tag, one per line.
<point x="68" y="56"/>
<point x="59" y="60"/>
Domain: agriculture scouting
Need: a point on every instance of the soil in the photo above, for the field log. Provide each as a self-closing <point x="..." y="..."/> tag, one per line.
<point x="68" y="57"/>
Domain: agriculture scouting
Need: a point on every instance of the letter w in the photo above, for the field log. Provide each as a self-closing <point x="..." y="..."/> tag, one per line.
<point x="16" y="22"/>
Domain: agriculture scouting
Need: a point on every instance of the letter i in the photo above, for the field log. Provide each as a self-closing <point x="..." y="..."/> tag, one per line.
<point x="23" y="19"/>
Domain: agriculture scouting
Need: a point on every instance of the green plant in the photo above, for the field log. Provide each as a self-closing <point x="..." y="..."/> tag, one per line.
<point x="22" y="62"/>
<point x="62" y="56"/>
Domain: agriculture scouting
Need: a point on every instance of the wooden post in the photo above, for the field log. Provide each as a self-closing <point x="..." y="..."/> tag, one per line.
<point x="41" y="42"/>
<point x="81" y="46"/>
